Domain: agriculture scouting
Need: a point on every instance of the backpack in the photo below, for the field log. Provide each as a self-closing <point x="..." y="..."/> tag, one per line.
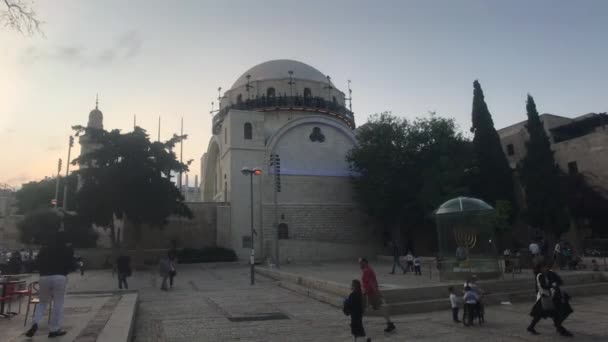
<point x="347" y="306"/>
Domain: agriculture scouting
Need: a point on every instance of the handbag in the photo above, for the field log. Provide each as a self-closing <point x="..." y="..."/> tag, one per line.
<point x="547" y="303"/>
<point x="546" y="300"/>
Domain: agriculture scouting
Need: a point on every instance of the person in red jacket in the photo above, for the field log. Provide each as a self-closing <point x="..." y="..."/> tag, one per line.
<point x="372" y="293"/>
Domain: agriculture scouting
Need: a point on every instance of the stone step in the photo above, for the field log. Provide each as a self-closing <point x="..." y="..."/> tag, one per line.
<point x="420" y="306"/>
<point x="493" y="286"/>
<point x="324" y="297"/>
<point x="439" y="304"/>
<point x="340" y="290"/>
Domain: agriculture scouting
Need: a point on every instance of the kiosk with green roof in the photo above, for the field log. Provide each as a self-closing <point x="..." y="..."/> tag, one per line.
<point x="467" y="246"/>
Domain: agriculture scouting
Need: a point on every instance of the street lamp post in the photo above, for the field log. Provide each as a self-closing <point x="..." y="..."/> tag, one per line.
<point x="56" y="199"/>
<point x="249" y="171"/>
<point x="67" y="173"/>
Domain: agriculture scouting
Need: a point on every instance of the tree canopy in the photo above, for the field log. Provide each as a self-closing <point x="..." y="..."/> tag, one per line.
<point x="494" y="180"/>
<point x="38" y="225"/>
<point x="127" y="175"/>
<point x="402" y="169"/>
<point x="36" y="195"/>
<point x="19" y="15"/>
<point x="540" y="175"/>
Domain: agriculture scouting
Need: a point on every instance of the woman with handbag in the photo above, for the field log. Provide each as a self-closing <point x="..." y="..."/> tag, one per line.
<point x="550" y="300"/>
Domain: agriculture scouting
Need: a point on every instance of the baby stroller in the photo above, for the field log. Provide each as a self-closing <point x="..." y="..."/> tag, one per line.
<point x="472" y="312"/>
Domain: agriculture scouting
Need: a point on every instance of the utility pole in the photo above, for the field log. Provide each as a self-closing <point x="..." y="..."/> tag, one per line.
<point x="158" y="139"/>
<point x="246" y="171"/>
<point x="181" y="153"/>
<point x="275" y="162"/>
<point x="67" y="173"/>
<point x="57" y="183"/>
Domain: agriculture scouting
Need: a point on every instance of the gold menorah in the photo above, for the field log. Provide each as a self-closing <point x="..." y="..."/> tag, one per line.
<point x="465" y="239"/>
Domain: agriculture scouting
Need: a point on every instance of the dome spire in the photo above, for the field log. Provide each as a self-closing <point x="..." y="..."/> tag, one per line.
<point x="96" y="101"/>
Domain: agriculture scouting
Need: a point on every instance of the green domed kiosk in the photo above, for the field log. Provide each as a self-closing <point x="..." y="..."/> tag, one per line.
<point x="465" y="230"/>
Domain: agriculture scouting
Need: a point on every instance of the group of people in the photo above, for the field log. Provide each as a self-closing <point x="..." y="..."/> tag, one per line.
<point x="167" y="270"/>
<point x="551" y="301"/>
<point x="22" y="261"/>
<point x="471" y="301"/>
<point x="56" y="259"/>
<point x="413" y="263"/>
<point x="365" y="293"/>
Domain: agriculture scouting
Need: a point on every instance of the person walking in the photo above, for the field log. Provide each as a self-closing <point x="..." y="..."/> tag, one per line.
<point x="123" y="269"/>
<point x="372" y="294"/>
<point x="353" y="307"/>
<point x="557" y="254"/>
<point x="396" y="255"/>
<point x="417" y="266"/>
<point x="80" y="263"/>
<point x="172" y="268"/>
<point x="550" y="300"/>
<point x="55" y="261"/>
<point x="164" y="269"/>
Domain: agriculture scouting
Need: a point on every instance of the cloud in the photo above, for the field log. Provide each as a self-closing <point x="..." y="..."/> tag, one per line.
<point x="53" y="148"/>
<point x="125" y="46"/>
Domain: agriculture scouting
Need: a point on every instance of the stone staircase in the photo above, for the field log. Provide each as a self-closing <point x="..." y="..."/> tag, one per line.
<point x="435" y="297"/>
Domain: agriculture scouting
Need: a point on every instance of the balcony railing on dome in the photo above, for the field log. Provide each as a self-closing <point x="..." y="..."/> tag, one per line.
<point x="287" y="103"/>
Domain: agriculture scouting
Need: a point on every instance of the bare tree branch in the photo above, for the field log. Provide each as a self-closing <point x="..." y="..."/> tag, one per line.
<point x="20" y="16"/>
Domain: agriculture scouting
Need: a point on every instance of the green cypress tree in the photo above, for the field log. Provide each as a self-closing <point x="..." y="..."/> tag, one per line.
<point x="540" y="176"/>
<point x="493" y="181"/>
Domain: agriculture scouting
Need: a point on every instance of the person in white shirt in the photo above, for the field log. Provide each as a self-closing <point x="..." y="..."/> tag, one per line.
<point x="417" y="266"/>
<point x="409" y="258"/>
<point x="454" y="303"/>
<point x="534" y="249"/>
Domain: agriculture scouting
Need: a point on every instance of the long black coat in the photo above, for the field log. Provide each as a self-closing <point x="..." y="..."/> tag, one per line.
<point x="561" y="300"/>
<point x="353" y="306"/>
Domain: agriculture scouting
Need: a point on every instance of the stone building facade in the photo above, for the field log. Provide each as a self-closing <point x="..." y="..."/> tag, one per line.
<point x="580" y="145"/>
<point x="289" y="112"/>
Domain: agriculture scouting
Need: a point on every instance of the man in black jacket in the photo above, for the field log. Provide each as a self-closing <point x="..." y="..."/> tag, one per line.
<point x="55" y="261"/>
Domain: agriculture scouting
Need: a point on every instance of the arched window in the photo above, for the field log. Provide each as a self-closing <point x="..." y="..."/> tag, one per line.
<point x="248" y="131"/>
<point x="270" y="92"/>
<point x="239" y="99"/>
<point x="283" y="231"/>
<point x="307" y="93"/>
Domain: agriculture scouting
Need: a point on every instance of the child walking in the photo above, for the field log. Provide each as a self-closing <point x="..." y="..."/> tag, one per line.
<point x="455" y="303"/>
<point x="417" y="266"/>
<point x="353" y="307"/>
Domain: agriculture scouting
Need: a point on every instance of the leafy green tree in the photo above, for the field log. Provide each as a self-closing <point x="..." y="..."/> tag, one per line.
<point x="38" y="225"/>
<point x="403" y="170"/>
<point x="128" y="176"/>
<point x="494" y="180"/>
<point x="35" y="195"/>
<point x="540" y="176"/>
<point x="38" y="194"/>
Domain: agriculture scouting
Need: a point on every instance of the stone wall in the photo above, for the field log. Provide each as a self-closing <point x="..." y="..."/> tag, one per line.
<point x="96" y="258"/>
<point x="199" y="232"/>
<point x="320" y="232"/>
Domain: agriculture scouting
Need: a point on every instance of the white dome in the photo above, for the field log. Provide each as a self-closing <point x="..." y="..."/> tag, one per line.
<point x="278" y="69"/>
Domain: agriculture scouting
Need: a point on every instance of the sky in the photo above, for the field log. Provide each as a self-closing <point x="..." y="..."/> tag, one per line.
<point x="153" y="58"/>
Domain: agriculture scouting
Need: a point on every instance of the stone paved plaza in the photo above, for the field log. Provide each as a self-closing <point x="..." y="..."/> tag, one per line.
<point x="214" y="302"/>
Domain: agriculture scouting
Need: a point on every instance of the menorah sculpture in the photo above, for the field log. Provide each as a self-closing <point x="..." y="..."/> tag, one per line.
<point x="465" y="239"/>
